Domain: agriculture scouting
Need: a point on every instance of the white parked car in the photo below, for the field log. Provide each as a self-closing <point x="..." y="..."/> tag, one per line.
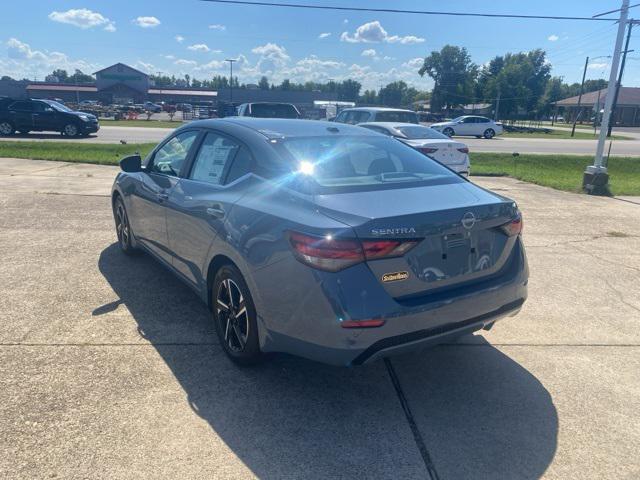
<point x="469" y="125"/>
<point x="453" y="154"/>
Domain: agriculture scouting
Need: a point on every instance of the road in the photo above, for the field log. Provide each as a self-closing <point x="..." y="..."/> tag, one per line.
<point x="110" y="134"/>
<point x="110" y="368"/>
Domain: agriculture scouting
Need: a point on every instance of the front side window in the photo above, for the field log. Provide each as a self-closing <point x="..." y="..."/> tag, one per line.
<point x="214" y="156"/>
<point x="170" y="159"/>
<point x="344" y="164"/>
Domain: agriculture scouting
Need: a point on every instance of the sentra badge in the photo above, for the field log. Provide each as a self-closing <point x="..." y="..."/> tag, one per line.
<point x="393" y="231"/>
<point x="395" y="276"/>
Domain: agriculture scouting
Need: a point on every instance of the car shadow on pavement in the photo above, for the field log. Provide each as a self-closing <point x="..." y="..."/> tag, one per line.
<point x="480" y="413"/>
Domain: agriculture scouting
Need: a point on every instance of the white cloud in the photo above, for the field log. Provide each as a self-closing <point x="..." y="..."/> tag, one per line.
<point x="147" y="22"/>
<point x="219" y="27"/>
<point x="20" y="50"/>
<point x="373" y="32"/>
<point x="213" y="65"/>
<point x="144" y="66"/>
<point x="23" y="61"/>
<point x="370" y="52"/>
<point x="170" y="57"/>
<point x="414" y="63"/>
<point x="553" y="38"/>
<point x="273" y="57"/>
<point x="83" y="18"/>
<point x="597" y="66"/>
<point x="324" y="35"/>
<point x="179" y="38"/>
<point x="198" y="47"/>
<point x="185" y="63"/>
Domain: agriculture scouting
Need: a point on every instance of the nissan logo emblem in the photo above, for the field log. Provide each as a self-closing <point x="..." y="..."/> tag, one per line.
<point x="468" y="220"/>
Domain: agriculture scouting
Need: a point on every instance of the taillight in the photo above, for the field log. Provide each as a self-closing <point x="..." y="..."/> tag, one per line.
<point x="514" y="227"/>
<point x="334" y="254"/>
<point x="427" y="150"/>
<point x="463" y="150"/>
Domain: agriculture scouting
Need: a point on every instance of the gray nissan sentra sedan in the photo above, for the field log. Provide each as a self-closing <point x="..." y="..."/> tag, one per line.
<point x="323" y="240"/>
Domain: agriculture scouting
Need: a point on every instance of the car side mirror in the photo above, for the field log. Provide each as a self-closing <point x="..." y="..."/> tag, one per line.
<point x="131" y="164"/>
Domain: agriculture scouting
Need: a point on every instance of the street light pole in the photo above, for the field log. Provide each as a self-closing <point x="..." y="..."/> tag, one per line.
<point x="596" y="179"/>
<point x="231" y="60"/>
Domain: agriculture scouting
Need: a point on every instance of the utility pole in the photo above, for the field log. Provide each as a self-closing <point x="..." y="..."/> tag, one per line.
<point x="619" y="82"/>
<point x="596" y="178"/>
<point x="231" y="60"/>
<point x="575" y="117"/>
<point x="495" y="115"/>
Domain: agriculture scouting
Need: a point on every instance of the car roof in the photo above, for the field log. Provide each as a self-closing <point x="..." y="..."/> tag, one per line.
<point x="272" y="128"/>
<point x="377" y="109"/>
<point x="391" y="124"/>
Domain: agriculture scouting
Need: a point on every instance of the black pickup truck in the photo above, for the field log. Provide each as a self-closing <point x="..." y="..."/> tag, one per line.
<point x="44" y="115"/>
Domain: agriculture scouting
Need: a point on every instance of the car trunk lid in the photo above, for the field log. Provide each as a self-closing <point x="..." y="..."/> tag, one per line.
<point x="458" y="228"/>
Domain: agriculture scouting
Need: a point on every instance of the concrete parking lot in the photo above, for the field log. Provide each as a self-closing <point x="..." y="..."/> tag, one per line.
<point x="109" y="367"/>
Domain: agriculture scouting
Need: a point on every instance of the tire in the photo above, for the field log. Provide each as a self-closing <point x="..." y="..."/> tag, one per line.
<point x="489" y="133"/>
<point x="6" y="128"/>
<point x="234" y="317"/>
<point x="126" y="240"/>
<point x="478" y="136"/>
<point x="448" y="132"/>
<point x="71" y="130"/>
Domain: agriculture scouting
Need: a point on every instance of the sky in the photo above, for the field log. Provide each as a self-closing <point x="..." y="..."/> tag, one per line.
<point x="195" y="37"/>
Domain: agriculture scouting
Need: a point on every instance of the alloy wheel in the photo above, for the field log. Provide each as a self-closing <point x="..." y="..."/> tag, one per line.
<point x="233" y="315"/>
<point x="122" y="226"/>
<point x="448" y="132"/>
<point x="71" y="130"/>
<point x="6" y="128"/>
<point x="489" y="133"/>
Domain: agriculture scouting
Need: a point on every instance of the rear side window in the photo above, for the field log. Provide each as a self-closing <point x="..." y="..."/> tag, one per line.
<point x="214" y="157"/>
<point x="22" y="106"/>
<point x="273" y="110"/>
<point x="395" y="116"/>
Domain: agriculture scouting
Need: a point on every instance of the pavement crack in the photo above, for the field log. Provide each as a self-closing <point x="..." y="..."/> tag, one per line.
<point x="417" y="436"/>
<point x="620" y="295"/>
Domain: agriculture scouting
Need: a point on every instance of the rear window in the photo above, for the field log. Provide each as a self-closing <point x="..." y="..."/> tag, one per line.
<point x="344" y="164"/>
<point x="273" y="110"/>
<point x="415" y="133"/>
<point x="397" y="116"/>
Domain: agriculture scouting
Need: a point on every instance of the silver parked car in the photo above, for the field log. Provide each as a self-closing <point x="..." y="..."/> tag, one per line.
<point x="358" y="115"/>
<point x="436" y="145"/>
<point x="470" y="125"/>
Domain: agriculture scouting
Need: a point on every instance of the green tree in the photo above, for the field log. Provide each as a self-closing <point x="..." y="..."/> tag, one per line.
<point x="348" y="90"/>
<point x="264" y="83"/>
<point x="454" y="75"/>
<point x="394" y="94"/>
<point x="79" y="77"/>
<point x="369" y="97"/>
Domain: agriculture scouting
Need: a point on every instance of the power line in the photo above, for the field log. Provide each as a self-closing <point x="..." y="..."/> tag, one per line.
<point x="416" y="12"/>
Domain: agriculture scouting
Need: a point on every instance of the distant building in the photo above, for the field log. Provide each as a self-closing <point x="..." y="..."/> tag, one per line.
<point x="626" y="114"/>
<point x="122" y="84"/>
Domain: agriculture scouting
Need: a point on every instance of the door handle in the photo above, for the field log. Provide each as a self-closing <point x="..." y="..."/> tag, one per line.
<point x="162" y="197"/>
<point x="215" y="211"/>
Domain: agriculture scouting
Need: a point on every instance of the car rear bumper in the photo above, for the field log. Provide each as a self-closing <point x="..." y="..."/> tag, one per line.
<point x="306" y="320"/>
